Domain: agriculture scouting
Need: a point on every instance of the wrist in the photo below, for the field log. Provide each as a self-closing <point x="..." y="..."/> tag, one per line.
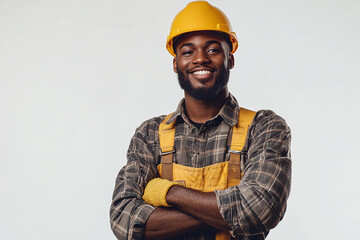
<point x="173" y="194"/>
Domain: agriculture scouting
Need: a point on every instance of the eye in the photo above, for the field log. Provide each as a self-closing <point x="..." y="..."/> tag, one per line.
<point x="213" y="50"/>
<point x="186" y="52"/>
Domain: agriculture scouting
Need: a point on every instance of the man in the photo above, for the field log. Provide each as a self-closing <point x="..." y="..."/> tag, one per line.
<point x="210" y="170"/>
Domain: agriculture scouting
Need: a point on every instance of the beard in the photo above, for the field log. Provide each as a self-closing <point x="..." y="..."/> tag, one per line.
<point x="205" y="93"/>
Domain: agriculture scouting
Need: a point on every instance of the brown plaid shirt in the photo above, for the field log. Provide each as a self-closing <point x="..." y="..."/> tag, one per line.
<point x="251" y="209"/>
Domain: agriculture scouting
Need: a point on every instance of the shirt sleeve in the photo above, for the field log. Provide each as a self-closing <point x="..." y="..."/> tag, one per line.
<point x="258" y="203"/>
<point x="128" y="212"/>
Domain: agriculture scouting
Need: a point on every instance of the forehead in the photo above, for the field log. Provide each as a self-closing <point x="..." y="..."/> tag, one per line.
<point x="200" y="37"/>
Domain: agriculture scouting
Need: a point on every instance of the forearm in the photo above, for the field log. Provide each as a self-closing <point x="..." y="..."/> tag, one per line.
<point x="128" y="218"/>
<point x="166" y="223"/>
<point x="198" y="204"/>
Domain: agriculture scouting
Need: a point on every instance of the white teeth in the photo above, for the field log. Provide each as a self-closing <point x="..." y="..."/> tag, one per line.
<point x="202" y="72"/>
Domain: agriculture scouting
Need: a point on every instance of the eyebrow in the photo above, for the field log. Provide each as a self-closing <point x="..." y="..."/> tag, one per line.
<point x="207" y="44"/>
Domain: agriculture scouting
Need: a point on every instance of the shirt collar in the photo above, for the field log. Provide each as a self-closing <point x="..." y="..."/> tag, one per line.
<point x="229" y="112"/>
<point x="179" y="112"/>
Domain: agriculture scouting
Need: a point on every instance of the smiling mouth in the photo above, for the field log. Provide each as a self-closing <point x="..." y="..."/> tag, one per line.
<point x="202" y="76"/>
<point x="200" y="72"/>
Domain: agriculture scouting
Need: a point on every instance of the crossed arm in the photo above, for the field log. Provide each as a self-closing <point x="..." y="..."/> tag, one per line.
<point x="192" y="210"/>
<point x="253" y="207"/>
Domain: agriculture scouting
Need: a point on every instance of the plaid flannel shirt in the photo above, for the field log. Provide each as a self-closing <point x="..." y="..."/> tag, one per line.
<point x="251" y="209"/>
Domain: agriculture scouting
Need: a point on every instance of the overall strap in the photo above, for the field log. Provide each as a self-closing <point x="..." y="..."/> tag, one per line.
<point x="237" y="143"/>
<point x="239" y="133"/>
<point x="167" y="139"/>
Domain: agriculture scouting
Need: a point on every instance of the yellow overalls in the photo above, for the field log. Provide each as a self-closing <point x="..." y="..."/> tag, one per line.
<point x="218" y="176"/>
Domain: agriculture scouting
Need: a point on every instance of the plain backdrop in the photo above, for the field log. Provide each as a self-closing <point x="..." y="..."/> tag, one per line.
<point x="77" y="77"/>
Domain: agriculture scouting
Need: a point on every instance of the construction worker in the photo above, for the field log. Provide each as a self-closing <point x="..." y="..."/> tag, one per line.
<point x="211" y="169"/>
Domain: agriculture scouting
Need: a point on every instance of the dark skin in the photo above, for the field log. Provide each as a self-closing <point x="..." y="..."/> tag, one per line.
<point x="203" y="50"/>
<point x="200" y="56"/>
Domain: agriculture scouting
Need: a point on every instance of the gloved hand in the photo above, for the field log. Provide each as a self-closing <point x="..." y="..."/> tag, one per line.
<point x="156" y="190"/>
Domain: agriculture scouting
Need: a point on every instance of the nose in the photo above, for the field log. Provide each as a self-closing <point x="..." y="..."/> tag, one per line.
<point x="200" y="57"/>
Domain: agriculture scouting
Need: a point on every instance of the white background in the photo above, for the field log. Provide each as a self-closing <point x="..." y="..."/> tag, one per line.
<point x="77" y="77"/>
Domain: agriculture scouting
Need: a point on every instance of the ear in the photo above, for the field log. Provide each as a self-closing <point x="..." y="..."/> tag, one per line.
<point x="174" y="65"/>
<point x="231" y="61"/>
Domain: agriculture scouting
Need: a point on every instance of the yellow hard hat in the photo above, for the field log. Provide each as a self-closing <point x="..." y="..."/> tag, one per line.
<point x="200" y="16"/>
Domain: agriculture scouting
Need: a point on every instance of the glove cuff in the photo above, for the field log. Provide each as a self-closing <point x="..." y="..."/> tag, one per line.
<point x="156" y="190"/>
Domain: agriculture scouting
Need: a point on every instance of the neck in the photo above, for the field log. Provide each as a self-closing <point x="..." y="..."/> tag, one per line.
<point x="201" y="111"/>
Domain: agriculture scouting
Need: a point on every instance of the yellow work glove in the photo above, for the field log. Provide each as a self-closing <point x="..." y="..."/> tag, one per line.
<point x="156" y="190"/>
